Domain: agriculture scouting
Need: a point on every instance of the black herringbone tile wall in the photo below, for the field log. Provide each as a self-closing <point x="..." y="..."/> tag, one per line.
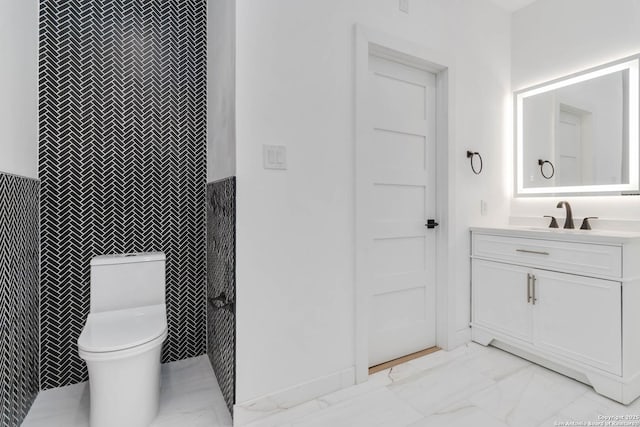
<point x="122" y="161"/>
<point x="19" y="263"/>
<point x="221" y="284"/>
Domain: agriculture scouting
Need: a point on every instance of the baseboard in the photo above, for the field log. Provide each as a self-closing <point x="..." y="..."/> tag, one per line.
<point x="250" y="411"/>
<point x="461" y="337"/>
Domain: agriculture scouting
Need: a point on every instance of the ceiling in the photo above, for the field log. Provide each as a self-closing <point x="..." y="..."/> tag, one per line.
<point x="512" y="5"/>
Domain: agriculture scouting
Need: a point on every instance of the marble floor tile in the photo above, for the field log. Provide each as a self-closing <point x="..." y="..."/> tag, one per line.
<point x="435" y="389"/>
<point x="376" y="382"/>
<point x="400" y="372"/>
<point x="470" y="386"/>
<point x="379" y="408"/>
<point x="189" y="396"/>
<point x="529" y="396"/>
<point x="461" y="414"/>
<point x="441" y="357"/>
<point x="190" y="393"/>
<point x="556" y="421"/>
<point x="612" y="405"/>
<point x="60" y="407"/>
<point x="287" y="416"/>
<point x="592" y="407"/>
<point x="493" y="362"/>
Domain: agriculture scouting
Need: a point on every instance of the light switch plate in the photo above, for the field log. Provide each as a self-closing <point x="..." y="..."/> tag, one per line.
<point x="274" y="157"/>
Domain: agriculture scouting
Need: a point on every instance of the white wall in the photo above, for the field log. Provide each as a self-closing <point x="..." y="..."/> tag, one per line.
<point x="295" y="228"/>
<point x="221" y="53"/>
<point x="19" y="87"/>
<point x="552" y="38"/>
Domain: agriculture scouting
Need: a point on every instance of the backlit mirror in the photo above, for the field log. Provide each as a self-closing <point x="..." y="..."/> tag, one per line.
<point x="579" y="134"/>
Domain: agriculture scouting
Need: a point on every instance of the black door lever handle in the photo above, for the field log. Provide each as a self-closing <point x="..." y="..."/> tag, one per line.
<point x="431" y="223"/>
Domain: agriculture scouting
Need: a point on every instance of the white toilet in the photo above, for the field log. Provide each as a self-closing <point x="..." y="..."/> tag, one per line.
<point x="122" y="338"/>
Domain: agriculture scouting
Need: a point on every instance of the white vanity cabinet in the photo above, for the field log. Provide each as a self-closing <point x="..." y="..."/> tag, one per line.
<point x="566" y="300"/>
<point x="579" y="318"/>
<point x="500" y="299"/>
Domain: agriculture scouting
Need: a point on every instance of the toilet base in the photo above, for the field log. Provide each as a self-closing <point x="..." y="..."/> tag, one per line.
<point x="125" y="390"/>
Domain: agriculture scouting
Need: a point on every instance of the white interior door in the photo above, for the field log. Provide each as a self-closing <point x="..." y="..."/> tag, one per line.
<point x="569" y="149"/>
<point x="396" y="171"/>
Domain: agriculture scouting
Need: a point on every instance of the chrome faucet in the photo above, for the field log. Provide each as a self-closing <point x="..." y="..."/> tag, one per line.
<point x="568" y="222"/>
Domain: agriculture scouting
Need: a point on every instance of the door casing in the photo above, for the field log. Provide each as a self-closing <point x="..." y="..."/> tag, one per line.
<point x="369" y="41"/>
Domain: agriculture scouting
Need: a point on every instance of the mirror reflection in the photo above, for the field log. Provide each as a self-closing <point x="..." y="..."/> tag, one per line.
<point x="575" y="134"/>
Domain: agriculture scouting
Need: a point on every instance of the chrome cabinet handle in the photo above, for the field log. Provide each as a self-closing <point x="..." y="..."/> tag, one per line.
<point x="528" y="288"/>
<point x="532" y="252"/>
<point x="533" y="287"/>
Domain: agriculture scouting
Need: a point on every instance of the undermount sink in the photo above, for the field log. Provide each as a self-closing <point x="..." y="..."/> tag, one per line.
<point x="558" y="230"/>
<point x="567" y="230"/>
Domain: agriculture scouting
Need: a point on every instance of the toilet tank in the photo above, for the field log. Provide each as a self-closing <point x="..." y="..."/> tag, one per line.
<point x="127" y="281"/>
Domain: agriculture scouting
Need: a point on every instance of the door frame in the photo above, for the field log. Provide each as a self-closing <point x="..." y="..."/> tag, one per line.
<point x="369" y="41"/>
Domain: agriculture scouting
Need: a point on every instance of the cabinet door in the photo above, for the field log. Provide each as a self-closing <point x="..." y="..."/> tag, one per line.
<point x="579" y="318"/>
<point x="499" y="293"/>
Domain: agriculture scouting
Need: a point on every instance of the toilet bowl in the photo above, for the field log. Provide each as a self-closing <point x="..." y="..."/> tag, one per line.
<point x="122" y="339"/>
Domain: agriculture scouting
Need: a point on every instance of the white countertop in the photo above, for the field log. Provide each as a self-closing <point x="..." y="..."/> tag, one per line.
<point x="576" y="235"/>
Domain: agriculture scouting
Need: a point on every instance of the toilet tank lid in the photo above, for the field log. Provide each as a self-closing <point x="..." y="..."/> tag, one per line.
<point x="128" y="258"/>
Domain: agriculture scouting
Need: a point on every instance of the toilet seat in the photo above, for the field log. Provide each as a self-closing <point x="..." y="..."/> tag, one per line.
<point x="121" y="333"/>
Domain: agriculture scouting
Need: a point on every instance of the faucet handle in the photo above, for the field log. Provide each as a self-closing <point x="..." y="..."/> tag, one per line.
<point x="553" y="223"/>
<point x="585" y="223"/>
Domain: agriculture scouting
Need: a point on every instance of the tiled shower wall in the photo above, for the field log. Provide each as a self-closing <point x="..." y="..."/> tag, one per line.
<point x="19" y="260"/>
<point x="122" y="161"/>
<point x="221" y="283"/>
